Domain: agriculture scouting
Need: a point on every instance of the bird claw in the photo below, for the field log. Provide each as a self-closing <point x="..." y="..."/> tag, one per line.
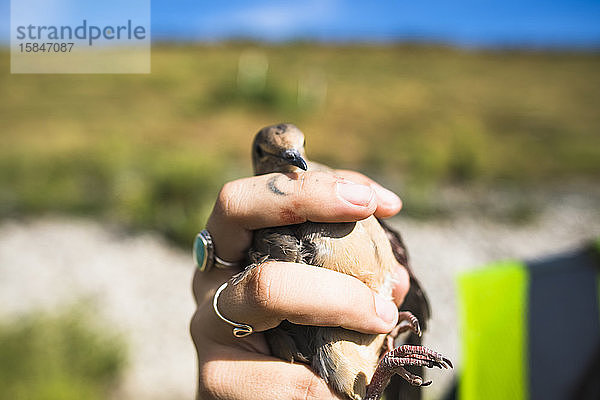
<point x="406" y="321"/>
<point x="393" y="362"/>
<point x="447" y="361"/>
<point x="420" y="356"/>
<point x="413" y="322"/>
<point x="440" y="362"/>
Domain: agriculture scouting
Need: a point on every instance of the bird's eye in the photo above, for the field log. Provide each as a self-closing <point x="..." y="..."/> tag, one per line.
<point x="259" y="152"/>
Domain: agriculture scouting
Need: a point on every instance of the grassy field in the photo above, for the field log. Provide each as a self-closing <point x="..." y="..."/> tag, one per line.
<point x="151" y="151"/>
<point x="61" y="356"/>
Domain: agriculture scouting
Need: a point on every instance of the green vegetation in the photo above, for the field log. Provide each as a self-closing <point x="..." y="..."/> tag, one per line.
<point x="59" y="357"/>
<point x="151" y="151"/>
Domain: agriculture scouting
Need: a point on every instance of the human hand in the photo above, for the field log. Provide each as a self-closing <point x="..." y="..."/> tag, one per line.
<point x="242" y="368"/>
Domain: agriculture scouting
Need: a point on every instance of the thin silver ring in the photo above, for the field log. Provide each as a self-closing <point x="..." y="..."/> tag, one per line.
<point x="220" y="263"/>
<point x="239" y="330"/>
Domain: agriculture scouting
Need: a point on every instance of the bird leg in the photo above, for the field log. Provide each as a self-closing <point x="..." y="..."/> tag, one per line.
<point x="393" y="362"/>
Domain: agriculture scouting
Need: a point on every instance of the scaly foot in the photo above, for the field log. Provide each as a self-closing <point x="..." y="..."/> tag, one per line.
<point x="393" y="362"/>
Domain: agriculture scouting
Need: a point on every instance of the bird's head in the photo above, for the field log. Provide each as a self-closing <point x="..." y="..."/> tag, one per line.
<point x="278" y="148"/>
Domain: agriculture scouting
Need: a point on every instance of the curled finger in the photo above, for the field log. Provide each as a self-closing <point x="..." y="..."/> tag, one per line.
<point x="306" y="295"/>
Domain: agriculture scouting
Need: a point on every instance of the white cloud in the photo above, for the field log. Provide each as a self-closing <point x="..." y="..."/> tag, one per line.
<point x="274" y="20"/>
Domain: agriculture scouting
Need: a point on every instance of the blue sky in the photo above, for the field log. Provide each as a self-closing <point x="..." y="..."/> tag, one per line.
<point x="536" y="23"/>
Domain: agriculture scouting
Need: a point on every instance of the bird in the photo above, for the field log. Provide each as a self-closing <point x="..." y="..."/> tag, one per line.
<point x="359" y="366"/>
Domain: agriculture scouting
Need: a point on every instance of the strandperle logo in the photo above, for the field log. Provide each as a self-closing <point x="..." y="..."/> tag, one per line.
<point x="74" y="36"/>
<point x="85" y="31"/>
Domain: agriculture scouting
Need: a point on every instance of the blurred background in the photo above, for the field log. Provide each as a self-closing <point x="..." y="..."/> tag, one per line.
<point x="483" y="116"/>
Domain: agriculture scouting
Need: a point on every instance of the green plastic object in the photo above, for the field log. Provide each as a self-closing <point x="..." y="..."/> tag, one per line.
<point x="493" y="306"/>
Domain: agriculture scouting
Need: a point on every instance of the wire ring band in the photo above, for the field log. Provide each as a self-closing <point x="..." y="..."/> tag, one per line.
<point x="219" y="262"/>
<point x="239" y="330"/>
<point x="204" y="254"/>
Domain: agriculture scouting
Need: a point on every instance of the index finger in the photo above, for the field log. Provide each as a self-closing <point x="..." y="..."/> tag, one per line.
<point x="278" y="199"/>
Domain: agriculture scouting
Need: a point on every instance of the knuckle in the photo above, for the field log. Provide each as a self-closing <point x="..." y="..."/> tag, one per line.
<point x="261" y="291"/>
<point x="193" y="327"/>
<point x="204" y="380"/>
<point x="301" y="189"/>
<point x="316" y="179"/>
<point x="227" y="200"/>
<point x="310" y="387"/>
<point x="310" y="185"/>
<point x="209" y="378"/>
<point x="198" y="286"/>
<point x="209" y="371"/>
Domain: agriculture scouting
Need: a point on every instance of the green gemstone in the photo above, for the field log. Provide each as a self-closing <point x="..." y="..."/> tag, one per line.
<point x="200" y="252"/>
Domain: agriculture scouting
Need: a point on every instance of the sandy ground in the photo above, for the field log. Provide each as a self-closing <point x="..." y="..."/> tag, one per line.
<point x="141" y="285"/>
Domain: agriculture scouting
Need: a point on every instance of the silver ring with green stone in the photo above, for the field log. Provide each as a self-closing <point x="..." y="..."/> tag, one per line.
<point x="204" y="254"/>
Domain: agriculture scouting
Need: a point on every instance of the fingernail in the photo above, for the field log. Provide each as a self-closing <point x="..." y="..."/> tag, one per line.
<point x="388" y="197"/>
<point x="359" y="195"/>
<point x="386" y="310"/>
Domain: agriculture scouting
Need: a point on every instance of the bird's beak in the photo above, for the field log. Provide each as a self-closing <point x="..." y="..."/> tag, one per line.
<point x="293" y="157"/>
